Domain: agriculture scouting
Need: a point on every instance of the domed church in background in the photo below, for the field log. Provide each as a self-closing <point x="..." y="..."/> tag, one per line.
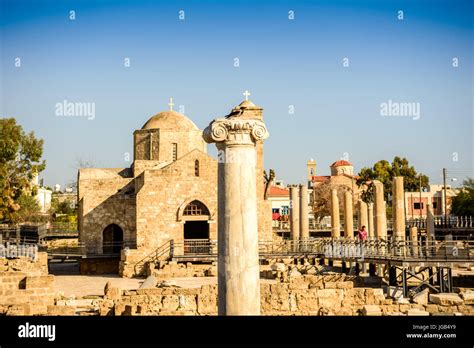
<point x="168" y="195"/>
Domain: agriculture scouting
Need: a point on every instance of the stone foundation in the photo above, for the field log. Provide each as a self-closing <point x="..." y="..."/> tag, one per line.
<point x="305" y="295"/>
<point x="25" y="295"/>
<point x="128" y="260"/>
<point x="26" y="265"/>
<point x="25" y="286"/>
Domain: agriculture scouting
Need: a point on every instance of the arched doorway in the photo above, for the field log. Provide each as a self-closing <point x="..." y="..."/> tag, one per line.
<point x="196" y="228"/>
<point x="112" y="239"/>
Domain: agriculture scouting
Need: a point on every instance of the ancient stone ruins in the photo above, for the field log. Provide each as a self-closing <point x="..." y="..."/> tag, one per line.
<point x="196" y="232"/>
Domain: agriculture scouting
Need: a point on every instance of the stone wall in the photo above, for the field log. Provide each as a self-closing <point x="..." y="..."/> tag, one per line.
<point x="306" y="295"/>
<point x="167" y="191"/>
<point x="25" y="295"/>
<point x="25" y="286"/>
<point x="99" y="265"/>
<point x="26" y="265"/>
<point x="106" y="196"/>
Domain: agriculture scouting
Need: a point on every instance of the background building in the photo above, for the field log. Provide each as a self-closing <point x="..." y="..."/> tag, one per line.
<point x="416" y="202"/>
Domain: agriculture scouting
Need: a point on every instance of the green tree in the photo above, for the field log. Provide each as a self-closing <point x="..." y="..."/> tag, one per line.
<point x="321" y="200"/>
<point x="463" y="203"/>
<point x="384" y="172"/>
<point x="29" y="209"/>
<point x="20" y="160"/>
<point x="64" y="208"/>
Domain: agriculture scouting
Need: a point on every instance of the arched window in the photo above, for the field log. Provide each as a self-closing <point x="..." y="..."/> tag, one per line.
<point x="196" y="168"/>
<point x="195" y="208"/>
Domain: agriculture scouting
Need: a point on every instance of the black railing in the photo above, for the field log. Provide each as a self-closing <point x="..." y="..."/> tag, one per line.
<point x="199" y="247"/>
<point x="345" y="248"/>
<point x="106" y="249"/>
<point x="453" y="222"/>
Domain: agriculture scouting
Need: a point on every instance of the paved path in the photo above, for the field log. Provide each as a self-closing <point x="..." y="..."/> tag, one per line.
<point x="82" y="285"/>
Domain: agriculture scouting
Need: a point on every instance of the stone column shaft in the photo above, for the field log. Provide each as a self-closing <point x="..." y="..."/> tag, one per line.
<point x="398" y="208"/>
<point x="335" y="224"/>
<point x="363" y="218"/>
<point x="304" y="219"/>
<point x="414" y="234"/>
<point x="348" y="215"/>
<point x="380" y="215"/>
<point x="430" y="226"/>
<point x="371" y="224"/>
<point x="295" y="213"/>
<point x="238" y="259"/>
<point x="443" y="207"/>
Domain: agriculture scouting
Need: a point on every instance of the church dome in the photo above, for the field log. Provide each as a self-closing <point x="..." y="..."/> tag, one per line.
<point x="341" y="163"/>
<point x="246" y="104"/>
<point x="170" y="120"/>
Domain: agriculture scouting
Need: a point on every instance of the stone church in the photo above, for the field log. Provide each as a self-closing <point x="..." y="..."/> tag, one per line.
<point x="168" y="193"/>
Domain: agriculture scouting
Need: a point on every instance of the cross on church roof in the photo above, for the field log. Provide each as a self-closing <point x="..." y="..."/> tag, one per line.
<point x="171" y="104"/>
<point x="246" y="95"/>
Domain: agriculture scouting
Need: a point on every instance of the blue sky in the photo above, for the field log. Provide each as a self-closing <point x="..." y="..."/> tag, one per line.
<point x="282" y="62"/>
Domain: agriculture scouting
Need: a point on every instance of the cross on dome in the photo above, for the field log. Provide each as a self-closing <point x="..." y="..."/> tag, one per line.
<point x="171" y="104"/>
<point x="246" y="95"/>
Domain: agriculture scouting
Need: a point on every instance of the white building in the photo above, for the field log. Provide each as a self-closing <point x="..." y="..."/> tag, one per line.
<point x="43" y="195"/>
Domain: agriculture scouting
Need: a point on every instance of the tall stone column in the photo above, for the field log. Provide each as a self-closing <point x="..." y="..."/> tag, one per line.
<point x="294" y="213"/>
<point x="430" y="225"/>
<point x="443" y="207"/>
<point x="335" y="224"/>
<point x="371" y="224"/>
<point x="304" y="219"/>
<point x="348" y="215"/>
<point x="363" y="218"/>
<point x="380" y="215"/>
<point x="238" y="262"/>
<point x="398" y="208"/>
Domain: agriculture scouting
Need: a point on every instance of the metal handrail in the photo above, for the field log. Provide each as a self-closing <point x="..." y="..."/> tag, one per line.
<point x="155" y="255"/>
<point x="347" y="248"/>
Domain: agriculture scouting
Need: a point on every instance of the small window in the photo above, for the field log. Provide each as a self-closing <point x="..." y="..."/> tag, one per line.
<point x="417" y="205"/>
<point x="196" y="168"/>
<point x="195" y="208"/>
<point x="435" y="205"/>
<point x="175" y="151"/>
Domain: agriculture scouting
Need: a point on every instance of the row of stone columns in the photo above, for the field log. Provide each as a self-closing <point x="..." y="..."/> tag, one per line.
<point x="373" y="216"/>
<point x="348" y="215"/>
<point x="299" y="218"/>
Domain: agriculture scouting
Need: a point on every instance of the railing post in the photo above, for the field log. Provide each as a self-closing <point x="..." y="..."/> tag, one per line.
<point x="171" y="248"/>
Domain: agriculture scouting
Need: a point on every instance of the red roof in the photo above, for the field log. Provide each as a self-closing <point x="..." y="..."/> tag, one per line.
<point x="320" y="178"/>
<point x="341" y="163"/>
<point x="278" y="191"/>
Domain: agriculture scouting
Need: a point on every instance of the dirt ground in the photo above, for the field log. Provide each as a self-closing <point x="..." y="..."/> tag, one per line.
<point x="93" y="285"/>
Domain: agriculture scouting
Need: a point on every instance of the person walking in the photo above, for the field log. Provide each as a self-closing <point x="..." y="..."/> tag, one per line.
<point x="362" y="234"/>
